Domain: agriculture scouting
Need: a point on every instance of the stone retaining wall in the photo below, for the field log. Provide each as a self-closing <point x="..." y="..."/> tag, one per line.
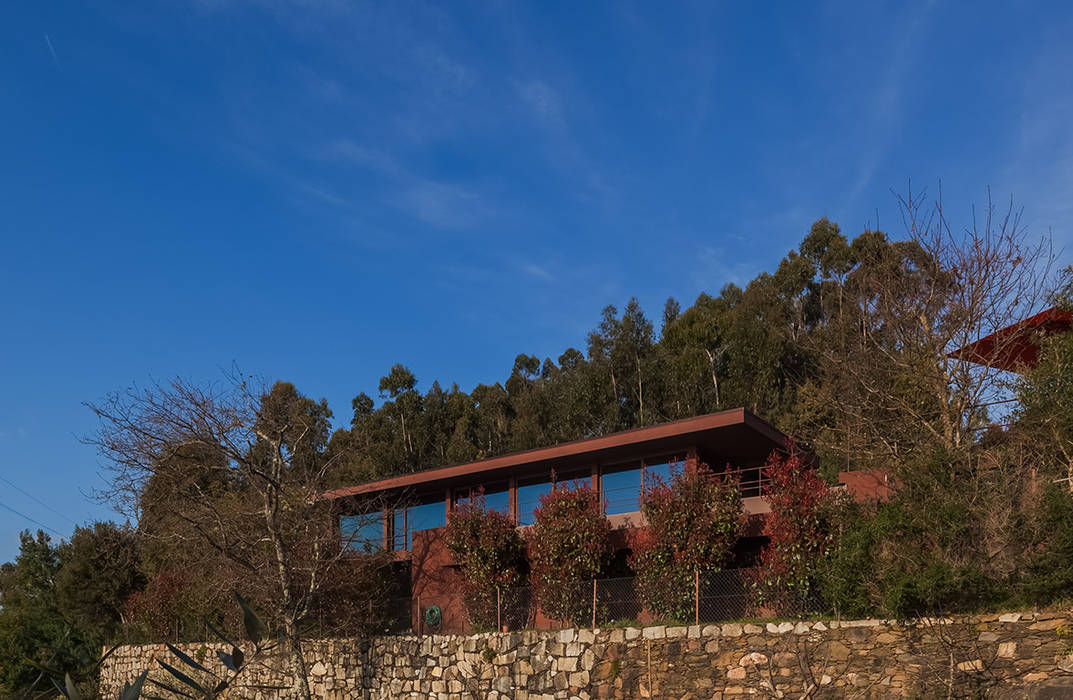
<point x="1014" y="655"/>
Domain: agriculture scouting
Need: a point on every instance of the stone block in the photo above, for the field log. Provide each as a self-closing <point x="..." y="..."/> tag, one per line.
<point x="579" y="679"/>
<point x="753" y="659"/>
<point x="655" y="632"/>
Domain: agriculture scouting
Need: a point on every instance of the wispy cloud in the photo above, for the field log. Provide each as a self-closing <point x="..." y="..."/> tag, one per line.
<point x="52" y="51"/>
<point x="351" y="152"/>
<point x="431" y="201"/>
<point x="444" y="205"/>
<point x="885" y="106"/>
<point x="544" y="103"/>
<point x="538" y="271"/>
<point x="1040" y="171"/>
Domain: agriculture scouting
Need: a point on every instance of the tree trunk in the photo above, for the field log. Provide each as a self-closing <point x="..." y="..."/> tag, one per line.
<point x="283" y="569"/>
<point x="301" y="677"/>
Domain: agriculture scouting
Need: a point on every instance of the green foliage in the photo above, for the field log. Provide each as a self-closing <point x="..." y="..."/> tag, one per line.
<point x="491" y="555"/>
<point x="1048" y="574"/>
<point x="34" y="631"/>
<point x="99" y="570"/>
<point x="922" y="553"/>
<point x="692" y="526"/>
<point x="569" y="544"/>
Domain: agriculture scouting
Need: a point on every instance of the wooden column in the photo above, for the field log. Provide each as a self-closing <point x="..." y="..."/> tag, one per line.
<point x="385" y="531"/>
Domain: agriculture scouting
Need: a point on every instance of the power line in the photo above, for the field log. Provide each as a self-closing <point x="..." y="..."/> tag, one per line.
<point x="27" y="517"/>
<point x="38" y="501"/>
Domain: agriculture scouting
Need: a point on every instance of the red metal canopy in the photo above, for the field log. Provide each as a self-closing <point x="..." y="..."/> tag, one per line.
<point x="1015" y="348"/>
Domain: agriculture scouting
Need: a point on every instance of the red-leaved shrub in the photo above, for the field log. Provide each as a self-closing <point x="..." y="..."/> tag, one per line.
<point x="798" y="531"/>
<point x="692" y="526"/>
<point x="568" y="546"/>
<point x="491" y="555"/>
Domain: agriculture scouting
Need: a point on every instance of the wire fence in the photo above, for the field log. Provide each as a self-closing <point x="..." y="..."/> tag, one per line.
<point x="609" y="602"/>
<point x="603" y="602"/>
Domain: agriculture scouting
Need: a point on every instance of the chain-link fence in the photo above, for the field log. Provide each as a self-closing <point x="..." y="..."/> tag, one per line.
<point x="718" y="597"/>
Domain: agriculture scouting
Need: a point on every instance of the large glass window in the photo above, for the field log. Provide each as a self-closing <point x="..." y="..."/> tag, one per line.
<point x="362" y="533"/>
<point x="529" y="499"/>
<point x="411" y="519"/>
<point x="496" y="498"/>
<point x="529" y="494"/>
<point x="661" y="472"/>
<point x="622" y="490"/>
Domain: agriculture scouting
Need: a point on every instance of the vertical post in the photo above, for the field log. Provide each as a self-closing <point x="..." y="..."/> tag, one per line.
<point x="387" y="522"/>
<point x="499" y="611"/>
<point x="512" y="490"/>
<point x="696" y="596"/>
<point x="594" y="603"/>
<point x="420" y="618"/>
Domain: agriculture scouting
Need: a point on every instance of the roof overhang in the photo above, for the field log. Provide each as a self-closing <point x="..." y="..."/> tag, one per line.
<point x="734" y="437"/>
<point x="1016" y="347"/>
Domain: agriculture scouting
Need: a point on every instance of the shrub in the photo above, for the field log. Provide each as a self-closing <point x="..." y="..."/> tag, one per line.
<point x="692" y="526"/>
<point x="568" y="545"/>
<point x="491" y="554"/>
<point x="799" y="532"/>
<point x="1048" y="575"/>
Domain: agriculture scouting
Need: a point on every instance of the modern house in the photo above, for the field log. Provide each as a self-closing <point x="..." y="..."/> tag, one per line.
<point x="415" y="507"/>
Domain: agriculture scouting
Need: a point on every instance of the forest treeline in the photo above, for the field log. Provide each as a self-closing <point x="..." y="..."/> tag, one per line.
<point x="755" y="347"/>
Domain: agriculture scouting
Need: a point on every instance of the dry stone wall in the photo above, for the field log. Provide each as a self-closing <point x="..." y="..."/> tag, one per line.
<point x="1013" y="655"/>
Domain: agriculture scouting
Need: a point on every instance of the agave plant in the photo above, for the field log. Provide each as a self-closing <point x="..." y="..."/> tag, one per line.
<point x="207" y="685"/>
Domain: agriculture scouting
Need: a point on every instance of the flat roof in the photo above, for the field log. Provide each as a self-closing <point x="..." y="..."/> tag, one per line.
<point x="732" y="436"/>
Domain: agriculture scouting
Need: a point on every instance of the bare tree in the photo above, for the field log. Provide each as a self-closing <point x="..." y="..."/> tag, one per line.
<point x="235" y="473"/>
<point x="892" y="379"/>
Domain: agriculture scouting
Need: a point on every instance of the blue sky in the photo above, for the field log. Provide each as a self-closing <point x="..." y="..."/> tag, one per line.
<point x="316" y="190"/>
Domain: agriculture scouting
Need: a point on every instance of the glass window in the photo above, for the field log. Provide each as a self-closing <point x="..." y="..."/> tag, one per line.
<point x="575" y="479"/>
<point x="497" y="499"/>
<point x="411" y="519"/>
<point x="661" y="471"/>
<point x="398" y="532"/>
<point x="424" y="517"/>
<point x="529" y="500"/>
<point x="362" y="533"/>
<point x="622" y="491"/>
